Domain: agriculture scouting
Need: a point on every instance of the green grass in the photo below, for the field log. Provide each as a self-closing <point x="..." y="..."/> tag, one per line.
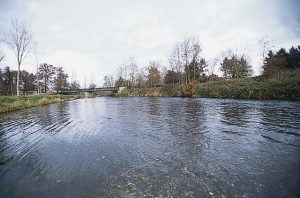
<point x="287" y="88"/>
<point x="11" y="103"/>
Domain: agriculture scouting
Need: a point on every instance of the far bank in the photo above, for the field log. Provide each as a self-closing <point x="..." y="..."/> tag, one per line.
<point x="279" y="88"/>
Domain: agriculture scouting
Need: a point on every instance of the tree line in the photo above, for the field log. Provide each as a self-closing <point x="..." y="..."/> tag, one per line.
<point x="186" y="65"/>
<point x="13" y="82"/>
<point x="277" y="62"/>
<point x="49" y="78"/>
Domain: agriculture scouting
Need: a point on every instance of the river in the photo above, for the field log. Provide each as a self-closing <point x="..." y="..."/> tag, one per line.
<point x="152" y="147"/>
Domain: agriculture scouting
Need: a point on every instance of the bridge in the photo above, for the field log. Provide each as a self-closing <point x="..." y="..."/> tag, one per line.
<point x="90" y="90"/>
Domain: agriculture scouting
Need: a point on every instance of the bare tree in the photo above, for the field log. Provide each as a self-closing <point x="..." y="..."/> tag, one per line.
<point x="195" y="51"/>
<point x="266" y="45"/>
<point x="123" y="70"/>
<point x="18" y="38"/>
<point x="141" y="77"/>
<point x="163" y="72"/>
<point x="213" y="66"/>
<point x="37" y="69"/>
<point x="120" y="72"/>
<point x="186" y="56"/>
<point x="175" y="61"/>
<point x="125" y="73"/>
<point x="133" y="69"/>
<point x="108" y="81"/>
<point x="154" y="77"/>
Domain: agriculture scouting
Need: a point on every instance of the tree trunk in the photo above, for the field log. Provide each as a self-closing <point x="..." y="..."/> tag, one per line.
<point x="45" y="87"/>
<point x="194" y="71"/>
<point x="18" y="79"/>
<point x="38" y="84"/>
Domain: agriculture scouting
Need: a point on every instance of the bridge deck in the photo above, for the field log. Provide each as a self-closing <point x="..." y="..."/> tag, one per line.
<point x="91" y="90"/>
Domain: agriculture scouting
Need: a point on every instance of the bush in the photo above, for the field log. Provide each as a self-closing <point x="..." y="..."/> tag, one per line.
<point x="287" y="87"/>
<point x="190" y="89"/>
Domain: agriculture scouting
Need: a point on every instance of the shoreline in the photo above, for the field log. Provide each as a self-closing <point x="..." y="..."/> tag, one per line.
<point x="257" y="88"/>
<point x="286" y="87"/>
<point x="198" y="97"/>
<point x="13" y="103"/>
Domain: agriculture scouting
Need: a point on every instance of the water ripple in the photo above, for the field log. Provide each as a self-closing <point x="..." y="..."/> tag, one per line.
<point x="153" y="147"/>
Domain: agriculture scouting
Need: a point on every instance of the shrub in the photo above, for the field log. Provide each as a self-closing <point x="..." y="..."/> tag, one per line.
<point x="190" y="89"/>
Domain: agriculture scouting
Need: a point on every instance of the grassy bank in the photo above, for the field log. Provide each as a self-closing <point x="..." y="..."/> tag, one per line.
<point x="286" y="87"/>
<point x="11" y="103"/>
<point x="252" y="88"/>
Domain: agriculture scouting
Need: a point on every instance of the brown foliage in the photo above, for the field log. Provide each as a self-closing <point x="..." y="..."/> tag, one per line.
<point x="190" y="89"/>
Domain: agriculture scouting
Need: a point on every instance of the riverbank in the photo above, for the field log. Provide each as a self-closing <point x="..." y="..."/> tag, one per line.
<point x="285" y="87"/>
<point x="12" y="103"/>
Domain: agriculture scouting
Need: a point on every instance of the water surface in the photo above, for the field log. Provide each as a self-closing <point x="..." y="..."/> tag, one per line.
<point x="152" y="147"/>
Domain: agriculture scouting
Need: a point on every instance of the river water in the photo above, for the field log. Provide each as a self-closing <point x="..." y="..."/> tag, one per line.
<point x="152" y="147"/>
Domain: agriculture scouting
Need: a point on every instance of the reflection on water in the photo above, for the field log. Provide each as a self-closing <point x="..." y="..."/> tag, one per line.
<point x="235" y="114"/>
<point x="153" y="147"/>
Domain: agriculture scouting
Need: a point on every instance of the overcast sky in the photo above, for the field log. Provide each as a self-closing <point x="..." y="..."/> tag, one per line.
<point x="94" y="37"/>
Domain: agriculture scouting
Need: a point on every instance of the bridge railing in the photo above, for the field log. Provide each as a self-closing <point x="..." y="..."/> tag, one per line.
<point x="107" y="89"/>
<point x="87" y="90"/>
